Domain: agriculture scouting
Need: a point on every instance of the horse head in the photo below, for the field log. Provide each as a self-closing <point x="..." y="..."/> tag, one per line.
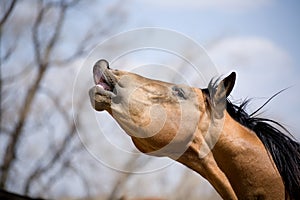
<point x="161" y="118"/>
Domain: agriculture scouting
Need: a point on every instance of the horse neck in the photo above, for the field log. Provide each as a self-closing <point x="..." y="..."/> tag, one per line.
<point x="226" y="153"/>
<point x="235" y="137"/>
<point x="241" y="155"/>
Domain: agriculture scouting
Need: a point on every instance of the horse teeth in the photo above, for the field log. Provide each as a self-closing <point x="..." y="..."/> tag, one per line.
<point x="98" y="85"/>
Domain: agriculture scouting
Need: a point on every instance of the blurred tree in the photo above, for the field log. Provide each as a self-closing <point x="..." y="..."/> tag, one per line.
<point x="40" y="42"/>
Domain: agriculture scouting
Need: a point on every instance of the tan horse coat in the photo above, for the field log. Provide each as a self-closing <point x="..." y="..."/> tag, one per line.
<point x="177" y="121"/>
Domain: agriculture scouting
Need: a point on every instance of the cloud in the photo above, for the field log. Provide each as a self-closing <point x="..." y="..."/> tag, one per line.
<point x="259" y="62"/>
<point x="263" y="68"/>
<point x="226" y="5"/>
<point x="251" y="52"/>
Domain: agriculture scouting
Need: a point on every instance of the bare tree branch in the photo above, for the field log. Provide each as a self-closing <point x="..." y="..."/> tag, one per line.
<point x="8" y="53"/>
<point x="12" y="78"/>
<point x="59" y="152"/>
<point x="57" y="104"/>
<point x="35" y="34"/>
<point x="65" y="167"/>
<point x="57" y="155"/>
<point x="10" y="153"/>
<point x="44" y="43"/>
<point x="131" y="164"/>
<point x="7" y="13"/>
<point x="53" y="40"/>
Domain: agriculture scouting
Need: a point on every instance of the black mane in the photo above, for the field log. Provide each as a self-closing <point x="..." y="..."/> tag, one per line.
<point x="282" y="147"/>
<point x="284" y="150"/>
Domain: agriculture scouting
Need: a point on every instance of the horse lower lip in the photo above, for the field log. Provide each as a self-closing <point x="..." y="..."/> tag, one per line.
<point x="104" y="92"/>
<point x="104" y="86"/>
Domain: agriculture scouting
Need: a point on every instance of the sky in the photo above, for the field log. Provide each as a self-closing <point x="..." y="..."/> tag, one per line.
<point x="258" y="39"/>
<point x="203" y="21"/>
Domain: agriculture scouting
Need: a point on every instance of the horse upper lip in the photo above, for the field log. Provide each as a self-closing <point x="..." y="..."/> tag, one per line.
<point x="105" y="78"/>
<point x="109" y="78"/>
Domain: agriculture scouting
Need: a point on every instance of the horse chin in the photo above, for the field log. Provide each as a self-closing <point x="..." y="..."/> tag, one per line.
<point x="100" y="99"/>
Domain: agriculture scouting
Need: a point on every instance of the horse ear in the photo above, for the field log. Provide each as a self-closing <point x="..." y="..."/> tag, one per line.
<point x="217" y="93"/>
<point x="228" y="83"/>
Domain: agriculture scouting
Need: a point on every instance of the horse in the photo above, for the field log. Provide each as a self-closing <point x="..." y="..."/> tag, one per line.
<point x="241" y="155"/>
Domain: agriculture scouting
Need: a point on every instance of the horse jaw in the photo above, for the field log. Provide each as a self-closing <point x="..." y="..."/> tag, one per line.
<point x="160" y="121"/>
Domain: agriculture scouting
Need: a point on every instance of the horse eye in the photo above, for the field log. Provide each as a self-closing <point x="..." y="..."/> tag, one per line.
<point x="179" y="92"/>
